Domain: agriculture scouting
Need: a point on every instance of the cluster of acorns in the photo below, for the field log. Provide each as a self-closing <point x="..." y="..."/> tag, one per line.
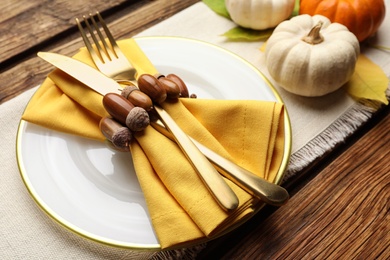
<point x="129" y="111"/>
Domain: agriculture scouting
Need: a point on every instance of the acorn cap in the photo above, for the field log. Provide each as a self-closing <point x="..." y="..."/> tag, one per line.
<point x="137" y="119"/>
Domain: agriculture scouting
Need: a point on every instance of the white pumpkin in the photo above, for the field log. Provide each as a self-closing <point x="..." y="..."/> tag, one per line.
<point x="259" y="14"/>
<point x="310" y="56"/>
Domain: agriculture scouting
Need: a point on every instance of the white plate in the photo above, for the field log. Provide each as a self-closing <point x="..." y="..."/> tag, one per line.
<point x="93" y="190"/>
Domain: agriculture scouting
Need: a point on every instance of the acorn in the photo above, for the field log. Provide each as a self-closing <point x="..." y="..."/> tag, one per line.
<point x="171" y="88"/>
<point x="137" y="97"/>
<point x="180" y="83"/>
<point x="135" y="118"/>
<point x="118" y="135"/>
<point x="152" y="87"/>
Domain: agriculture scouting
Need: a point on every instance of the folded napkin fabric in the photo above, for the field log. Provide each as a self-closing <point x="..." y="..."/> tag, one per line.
<point x="250" y="133"/>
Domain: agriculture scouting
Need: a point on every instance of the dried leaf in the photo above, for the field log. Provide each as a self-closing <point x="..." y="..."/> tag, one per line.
<point x="368" y="82"/>
<point x="218" y="6"/>
<point x="240" y="33"/>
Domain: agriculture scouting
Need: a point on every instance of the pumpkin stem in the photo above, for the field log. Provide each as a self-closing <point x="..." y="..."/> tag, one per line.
<point x="314" y="36"/>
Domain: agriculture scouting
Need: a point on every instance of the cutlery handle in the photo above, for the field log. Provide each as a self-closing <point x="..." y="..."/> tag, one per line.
<point x="268" y="192"/>
<point x="217" y="186"/>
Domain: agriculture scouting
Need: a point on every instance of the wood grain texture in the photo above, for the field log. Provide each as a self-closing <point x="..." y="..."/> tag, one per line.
<point x="342" y="213"/>
<point x="26" y="23"/>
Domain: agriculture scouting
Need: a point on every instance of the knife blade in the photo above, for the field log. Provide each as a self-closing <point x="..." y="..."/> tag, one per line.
<point x="102" y="84"/>
<point x="84" y="73"/>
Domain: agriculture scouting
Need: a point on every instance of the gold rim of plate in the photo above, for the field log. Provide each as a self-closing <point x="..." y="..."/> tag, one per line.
<point x="110" y="242"/>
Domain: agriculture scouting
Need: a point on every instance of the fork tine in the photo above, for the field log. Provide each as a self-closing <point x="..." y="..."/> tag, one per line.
<point x="107" y="55"/>
<point x="103" y="54"/>
<point x="109" y="35"/>
<point x="87" y="42"/>
<point x="104" y="47"/>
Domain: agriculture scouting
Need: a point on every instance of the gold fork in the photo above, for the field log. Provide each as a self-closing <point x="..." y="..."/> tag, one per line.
<point x="106" y="59"/>
<point x="113" y="63"/>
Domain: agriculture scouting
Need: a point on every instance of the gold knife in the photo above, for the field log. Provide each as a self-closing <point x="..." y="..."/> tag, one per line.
<point x="102" y="84"/>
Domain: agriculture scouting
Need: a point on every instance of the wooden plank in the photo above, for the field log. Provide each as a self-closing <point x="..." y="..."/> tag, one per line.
<point x="122" y="23"/>
<point x="342" y="213"/>
<point x="26" y="23"/>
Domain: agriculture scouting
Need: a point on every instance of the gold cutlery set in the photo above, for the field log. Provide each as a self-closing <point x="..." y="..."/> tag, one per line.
<point x="115" y="70"/>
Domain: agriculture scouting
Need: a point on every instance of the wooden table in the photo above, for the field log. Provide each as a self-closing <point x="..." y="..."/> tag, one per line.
<point x="339" y="208"/>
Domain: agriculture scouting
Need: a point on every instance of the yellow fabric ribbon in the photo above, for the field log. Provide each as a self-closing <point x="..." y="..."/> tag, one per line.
<point x="250" y="133"/>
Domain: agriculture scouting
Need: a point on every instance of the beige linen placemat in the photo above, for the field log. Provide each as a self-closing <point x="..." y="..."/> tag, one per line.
<point x="318" y="125"/>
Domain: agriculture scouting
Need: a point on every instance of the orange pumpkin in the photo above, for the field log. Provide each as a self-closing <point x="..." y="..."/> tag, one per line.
<point x="361" y="17"/>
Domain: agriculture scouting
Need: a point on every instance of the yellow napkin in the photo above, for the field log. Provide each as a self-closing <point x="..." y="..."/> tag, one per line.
<point x="251" y="133"/>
